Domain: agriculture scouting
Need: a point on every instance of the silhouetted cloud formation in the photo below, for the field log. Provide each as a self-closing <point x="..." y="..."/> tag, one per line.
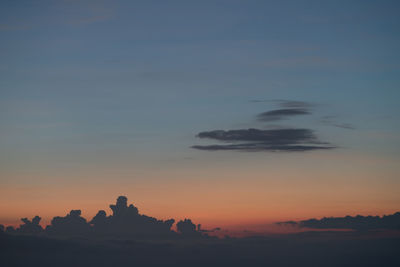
<point x="10" y="230"/>
<point x="71" y="224"/>
<point x="128" y="238"/>
<point x="279" y="114"/>
<point x="188" y="228"/>
<point x="31" y="227"/>
<point x="264" y="140"/>
<point x="125" y="221"/>
<point x="388" y="222"/>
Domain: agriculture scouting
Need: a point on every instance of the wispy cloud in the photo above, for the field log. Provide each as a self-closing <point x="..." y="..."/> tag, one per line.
<point x="332" y="121"/>
<point x="284" y="103"/>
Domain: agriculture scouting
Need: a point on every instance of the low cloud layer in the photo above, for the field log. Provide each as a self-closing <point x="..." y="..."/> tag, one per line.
<point x="263" y="140"/>
<point x="359" y="223"/>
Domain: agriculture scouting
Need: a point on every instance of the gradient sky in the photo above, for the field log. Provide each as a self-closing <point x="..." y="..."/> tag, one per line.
<point x="105" y="98"/>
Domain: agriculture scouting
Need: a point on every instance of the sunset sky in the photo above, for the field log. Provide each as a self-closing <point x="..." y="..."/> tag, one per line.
<point x="106" y="98"/>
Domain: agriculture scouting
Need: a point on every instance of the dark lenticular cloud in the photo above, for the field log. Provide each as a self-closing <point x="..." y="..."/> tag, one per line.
<point x="252" y="147"/>
<point x="263" y="140"/>
<point x="275" y="136"/>
<point x="279" y="114"/>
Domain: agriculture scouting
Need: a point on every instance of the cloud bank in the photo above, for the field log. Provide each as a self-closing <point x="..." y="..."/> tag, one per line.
<point x="359" y="223"/>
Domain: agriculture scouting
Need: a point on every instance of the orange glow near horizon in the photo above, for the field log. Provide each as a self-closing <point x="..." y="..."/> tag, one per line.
<point x="225" y="207"/>
<point x="214" y="197"/>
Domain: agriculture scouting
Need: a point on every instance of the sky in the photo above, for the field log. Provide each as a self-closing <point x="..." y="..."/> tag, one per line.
<point x="106" y="98"/>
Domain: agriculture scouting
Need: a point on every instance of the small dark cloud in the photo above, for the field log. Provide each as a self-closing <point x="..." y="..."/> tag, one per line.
<point x="279" y="114"/>
<point x="288" y="108"/>
<point x="359" y="223"/>
<point x="263" y="140"/>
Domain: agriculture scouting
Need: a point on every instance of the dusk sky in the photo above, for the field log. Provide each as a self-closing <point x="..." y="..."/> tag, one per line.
<point x="106" y="98"/>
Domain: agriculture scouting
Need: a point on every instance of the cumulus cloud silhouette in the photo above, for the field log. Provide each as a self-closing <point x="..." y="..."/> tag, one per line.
<point x="360" y="223"/>
<point x="188" y="228"/>
<point x="30" y="226"/>
<point x="71" y="224"/>
<point x="125" y="221"/>
<point x="264" y="140"/>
